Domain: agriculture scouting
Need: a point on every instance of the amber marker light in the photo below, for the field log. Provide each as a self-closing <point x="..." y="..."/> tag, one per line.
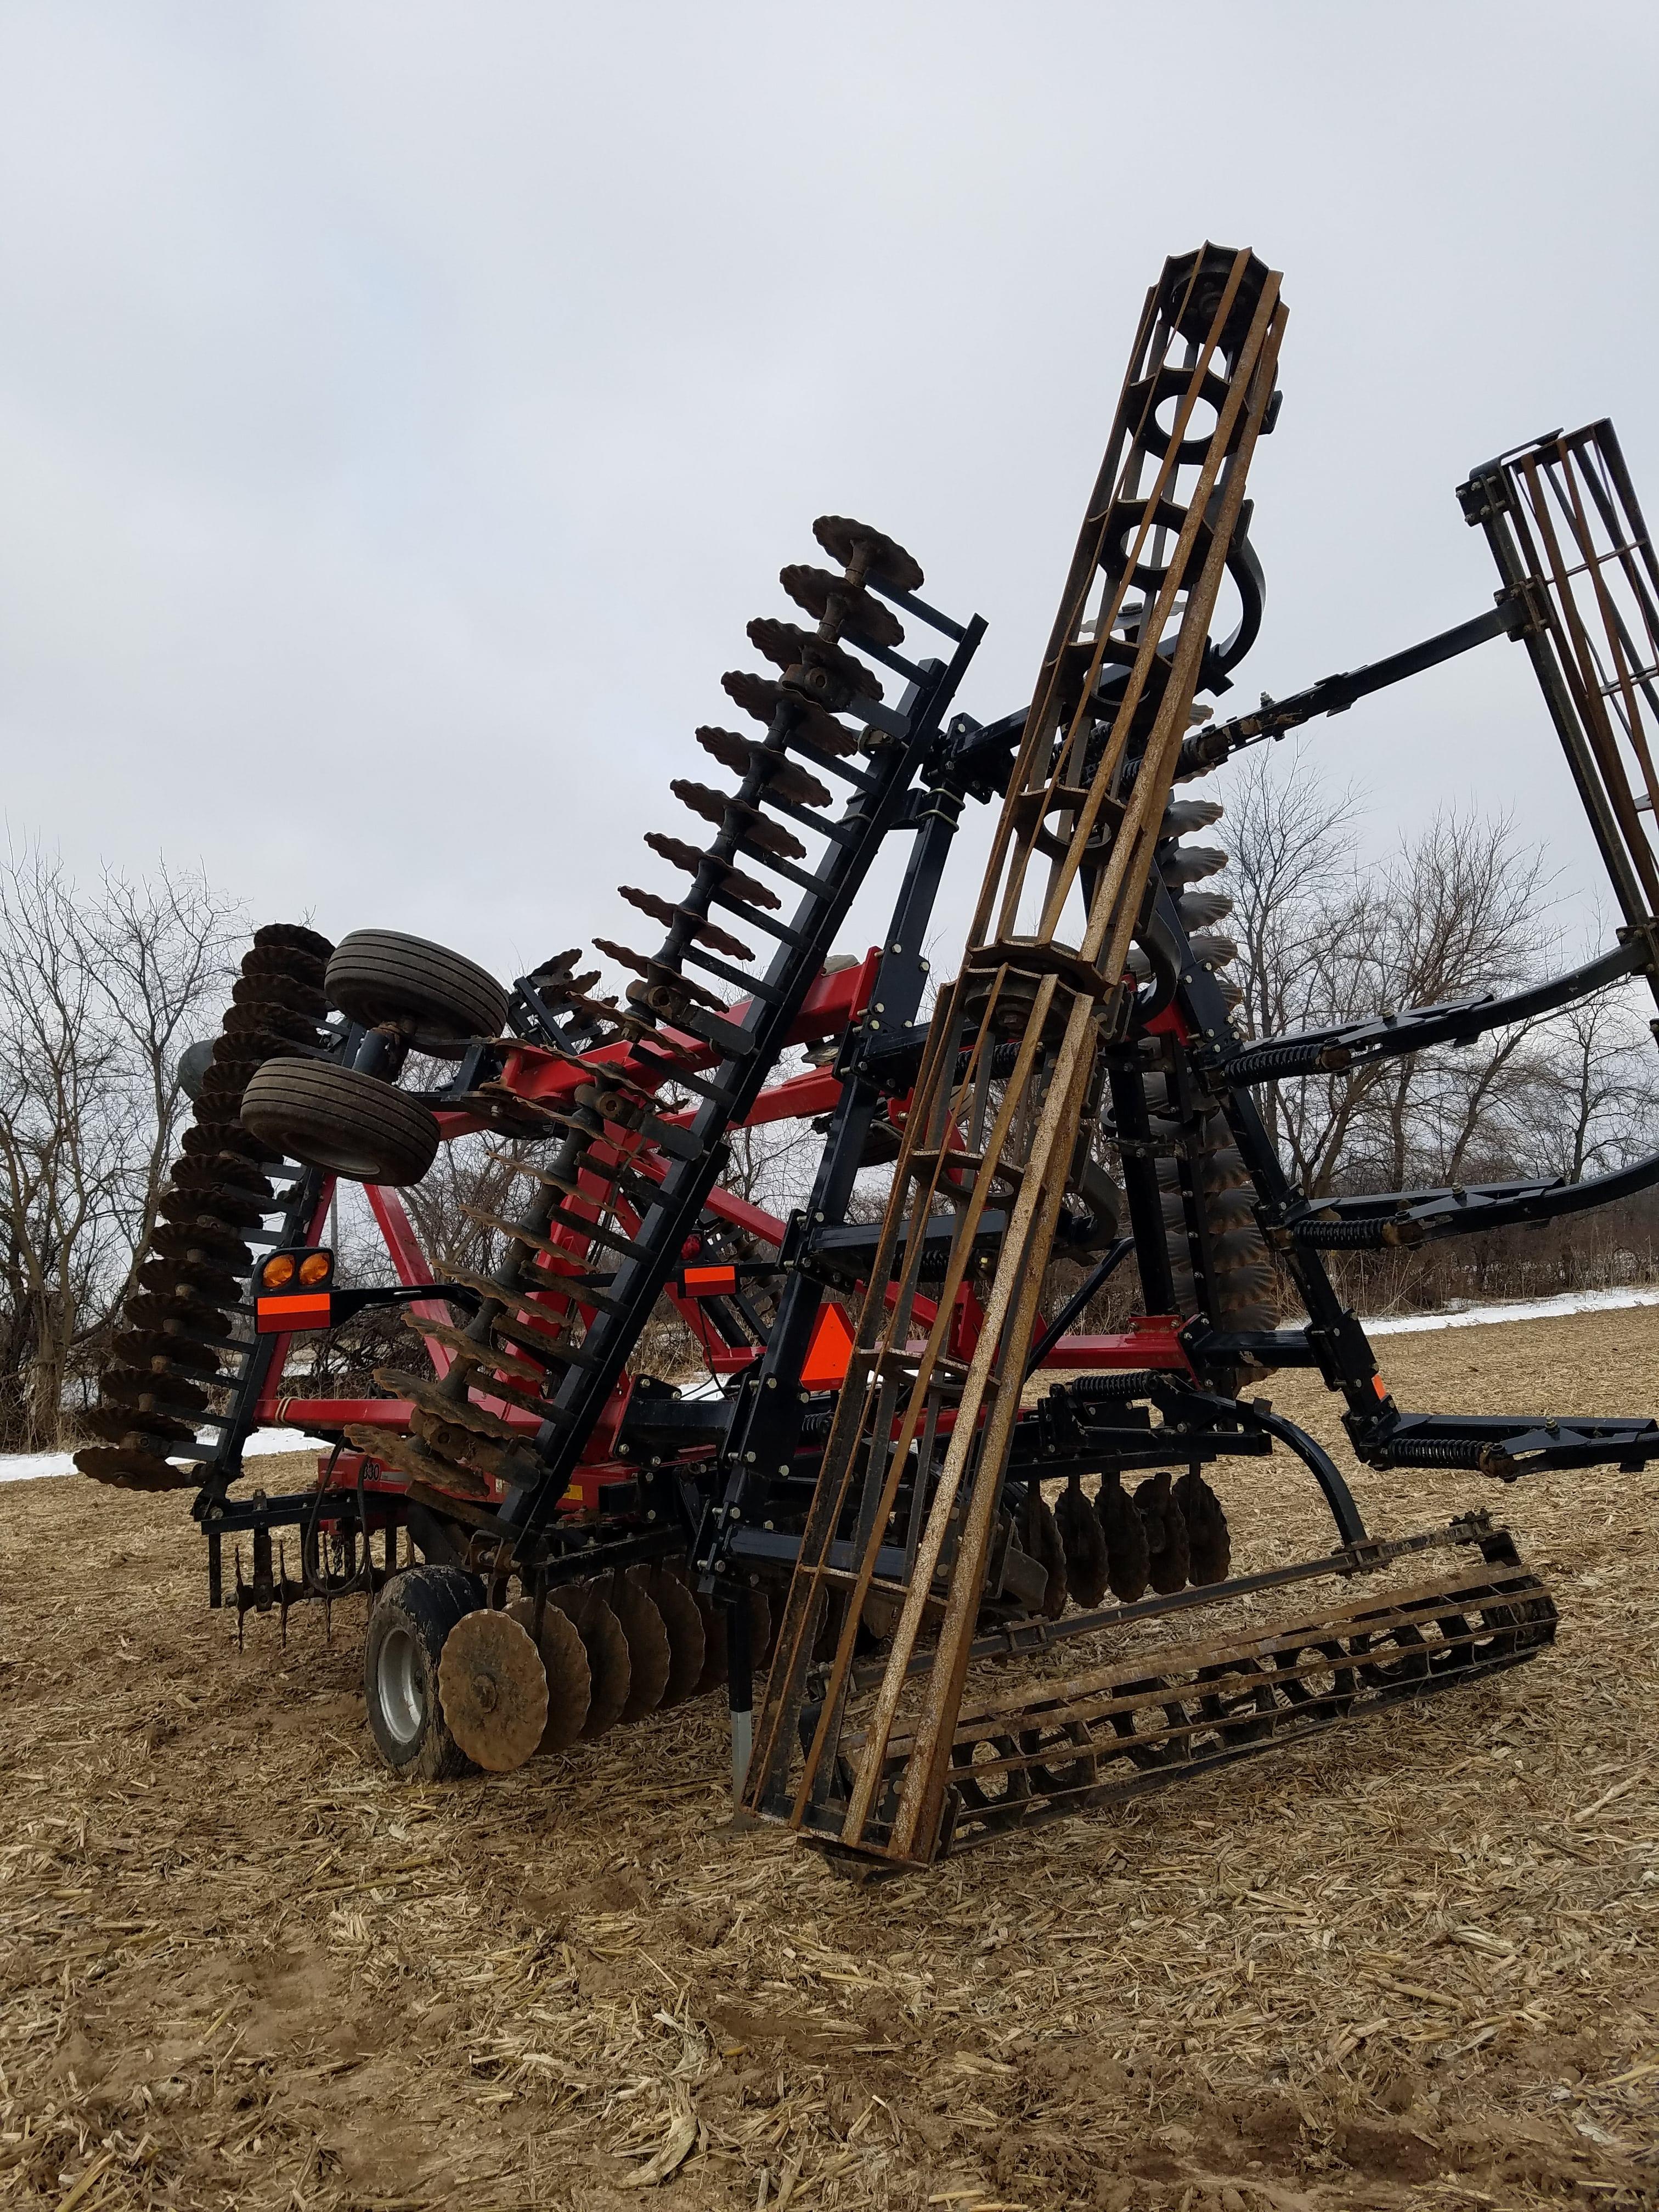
<point x="314" y="1267"/>
<point x="277" y="1273"/>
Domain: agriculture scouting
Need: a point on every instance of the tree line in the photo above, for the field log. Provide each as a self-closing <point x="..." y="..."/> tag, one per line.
<point x="103" y="986"/>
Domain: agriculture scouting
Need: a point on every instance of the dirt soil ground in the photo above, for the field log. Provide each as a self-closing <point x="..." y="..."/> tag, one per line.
<point x="1409" y="1964"/>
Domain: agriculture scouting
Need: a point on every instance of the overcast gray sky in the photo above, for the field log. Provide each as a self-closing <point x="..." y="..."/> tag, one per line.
<point x="404" y="407"/>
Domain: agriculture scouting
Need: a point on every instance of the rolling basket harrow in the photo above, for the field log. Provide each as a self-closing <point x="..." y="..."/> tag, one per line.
<point x="877" y="1508"/>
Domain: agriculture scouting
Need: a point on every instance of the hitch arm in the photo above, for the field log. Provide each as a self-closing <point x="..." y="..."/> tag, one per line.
<point x="1421" y="1217"/>
<point x="1334" y="695"/>
<point x="1458" y="1021"/>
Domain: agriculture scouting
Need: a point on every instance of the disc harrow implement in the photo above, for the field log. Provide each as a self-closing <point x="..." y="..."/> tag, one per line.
<point x="946" y="1595"/>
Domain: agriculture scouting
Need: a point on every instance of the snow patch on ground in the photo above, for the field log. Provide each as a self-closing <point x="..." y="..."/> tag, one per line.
<point x="1557" y="1309"/>
<point x="23" y="1467"/>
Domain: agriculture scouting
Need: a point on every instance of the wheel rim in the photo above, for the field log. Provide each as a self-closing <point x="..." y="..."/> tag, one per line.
<point x="399" y="1687"/>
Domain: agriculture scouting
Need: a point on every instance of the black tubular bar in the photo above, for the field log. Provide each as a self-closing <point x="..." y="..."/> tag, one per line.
<point x="1337" y="1495"/>
<point x="1408" y="1217"/>
<point x="1334" y="695"/>
<point x="1458" y="1021"/>
<point x="1094" y="1281"/>
<point x="1508" y="1446"/>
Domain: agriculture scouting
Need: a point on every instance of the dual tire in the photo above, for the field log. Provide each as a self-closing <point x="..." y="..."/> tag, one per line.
<point x="344" y="1119"/>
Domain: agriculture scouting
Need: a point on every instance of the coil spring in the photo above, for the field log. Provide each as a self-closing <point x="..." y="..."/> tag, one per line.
<point x="1274" y="1061"/>
<point x="1433" y="1452"/>
<point x="1341" y="1236"/>
<point x="1135" y="1383"/>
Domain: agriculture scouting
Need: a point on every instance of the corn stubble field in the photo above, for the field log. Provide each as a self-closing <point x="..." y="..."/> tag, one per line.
<point x="1412" y="1963"/>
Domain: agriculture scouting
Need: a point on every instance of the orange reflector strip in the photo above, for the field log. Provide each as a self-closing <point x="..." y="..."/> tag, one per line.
<point x="710" y="1282"/>
<point x="273" y="1315"/>
<point x="1379" y="1386"/>
<point x="825" y="1365"/>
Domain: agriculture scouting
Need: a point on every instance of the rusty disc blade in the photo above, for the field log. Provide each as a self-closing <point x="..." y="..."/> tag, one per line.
<point x="716" y="1665"/>
<point x="409" y="1456"/>
<point x="1166" y="1534"/>
<point x="648" y="1646"/>
<point x="493" y="1688"/>
<point x="137" y="1347"/>
<point x="886" y="561"/>
<point x="294" y="937"/>
<point x="687" y="1644"/>
<point x="1041" y="1538"/>
<point x="1084" y="1543"/>
<point x="606" y="1647"/>
<point x="1128" y="1554"/>
<point x="1209" y="1542"/>
<point x="137" y="1431"/>
<point x="569" y="1679"/>
<point x="200" y="1287"/>
<point x="125" y="1469"/>
<point x="813" y="589"/>
<point x="288" y="963"/>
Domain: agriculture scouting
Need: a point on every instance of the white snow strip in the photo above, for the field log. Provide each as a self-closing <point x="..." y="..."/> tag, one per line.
<point x="24" y="1466"/>
<point x="1556" y="1309"/>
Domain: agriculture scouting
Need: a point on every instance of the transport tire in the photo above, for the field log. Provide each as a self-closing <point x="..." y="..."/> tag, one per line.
<point x="193" y="1063"/>
<point x="407" y="1630"/>
<point x="341" y="1119"/>
<point x="439" y="998"/>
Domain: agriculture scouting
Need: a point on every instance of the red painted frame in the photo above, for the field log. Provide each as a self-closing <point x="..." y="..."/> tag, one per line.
<point x="835" y="1002"/>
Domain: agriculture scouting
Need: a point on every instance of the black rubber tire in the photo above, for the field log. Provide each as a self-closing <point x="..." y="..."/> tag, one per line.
<point x="341" y="1119"/>
<point x="441" y="998"/>
<point x="412" y="1618"/>
<point x="193" y="1063"/>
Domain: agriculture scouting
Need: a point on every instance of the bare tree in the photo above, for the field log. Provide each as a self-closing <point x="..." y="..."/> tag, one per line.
<point x="1593" y="1104"/>
<point x="1457" y="910"/>
<point x="1291" y="846"/>
<point x="98" y="997"/>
